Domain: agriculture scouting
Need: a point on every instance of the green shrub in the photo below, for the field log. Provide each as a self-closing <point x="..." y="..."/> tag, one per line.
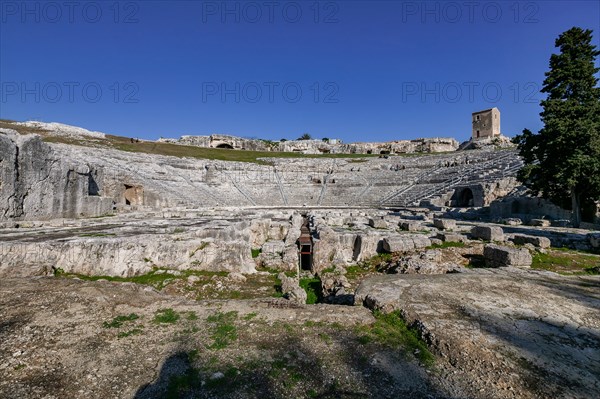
<point x="312" y="286"/>
<point x="223" y="329"/>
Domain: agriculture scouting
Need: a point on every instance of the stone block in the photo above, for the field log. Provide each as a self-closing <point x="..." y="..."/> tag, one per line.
<point x="444" y="224"/>
<point x="273" y="248"/>
<point x="410" y="226"/>
<point x="539" y="222"/>
<point x="291" y="290"/>
<point x="436" y="241"/>
<point x="500" y="256"/>
<point x="488" y="233"/>
<point x="405" y="243"/>
<point x="451" y="237"/>
<point x="539" y="242"/>
<point x="377" y="223"/>
<point x="512" y="221"/>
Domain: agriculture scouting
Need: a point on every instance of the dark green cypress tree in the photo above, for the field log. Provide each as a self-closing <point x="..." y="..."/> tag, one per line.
<point x="562" y="161"/>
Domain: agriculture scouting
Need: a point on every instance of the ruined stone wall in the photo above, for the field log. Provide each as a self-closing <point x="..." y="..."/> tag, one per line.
<point x="527" y="208"/>
<point x="221" y="141"/>
<point x="424" y="145"/>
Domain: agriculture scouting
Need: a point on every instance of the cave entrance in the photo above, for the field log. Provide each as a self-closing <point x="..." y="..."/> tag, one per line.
<point x="357" y="248"/>
<point x="305" y="246"/>
<point x="225" y="146"/>
<point x="588" y="211"/>
<point x="465" y="198"/>
<point x="93" y="188"/>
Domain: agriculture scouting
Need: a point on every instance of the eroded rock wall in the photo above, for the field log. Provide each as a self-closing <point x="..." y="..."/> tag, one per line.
<point x="37" y="183"/>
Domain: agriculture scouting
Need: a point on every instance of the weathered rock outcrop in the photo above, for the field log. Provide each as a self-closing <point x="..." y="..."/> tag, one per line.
<point x="291" y="290"/>
<point x="405" y="242"/>
<point x="427" y="262"/>
<point x="504" y="327"/>
<point x="488" y="233"/>
<point x="128" y="250"/>
<point x="540" y="242"/>
<point x="222" y="141"/>
<point x="37" y="183"/>
<point x="499" y="256"/>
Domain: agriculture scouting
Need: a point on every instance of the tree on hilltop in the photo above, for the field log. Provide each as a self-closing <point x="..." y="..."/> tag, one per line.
<point x="305" y="136"/>
<point x="562" y="161"/>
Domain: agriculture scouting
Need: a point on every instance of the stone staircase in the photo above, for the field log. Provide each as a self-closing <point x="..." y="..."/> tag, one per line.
<point x="428" y="185"/>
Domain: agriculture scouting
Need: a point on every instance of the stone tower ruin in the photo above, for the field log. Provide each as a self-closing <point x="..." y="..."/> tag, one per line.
<point x="486" y="124"/>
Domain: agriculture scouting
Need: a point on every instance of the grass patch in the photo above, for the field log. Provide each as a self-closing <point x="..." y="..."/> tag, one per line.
<point x="391" y="330"/>
<point x="277" y="287"/>
<point x="166" y="316"/>
<point x="379" y="259"/>
<point x="135" y="331"/>
<point x="447" y="245"/>
<point x="256" y="252"/>
<point x="250" y="316"/>
<point x="118" y="321"/>
<point x="326" y="338"/>
<point x="191" y="316"/>
<point x="157" y="278"/>
<point x="223" y="329"/>
<point x="567" y="262"/>
<point x="373" y="265"/>
<point x="312" y="286"/>
<point x="328" y="270"/>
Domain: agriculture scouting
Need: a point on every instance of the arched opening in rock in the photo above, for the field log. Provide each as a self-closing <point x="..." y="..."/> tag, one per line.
<point x="465" y="198"/>
<point x="384" y="152"/>
<point x="93" y="189"/>
<point x="588" y="212"/>
<point x="356" y="249"/>
<point x="369" y="152"/>
<point x="225" y="146"/>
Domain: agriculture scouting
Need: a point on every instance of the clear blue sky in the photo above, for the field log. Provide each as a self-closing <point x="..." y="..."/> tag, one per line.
<point x="367" y="70"/>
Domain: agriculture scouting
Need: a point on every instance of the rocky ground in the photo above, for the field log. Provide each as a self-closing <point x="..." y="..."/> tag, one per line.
<point x="516" y="333"/>
<point x="502" y="333"/>
<point x="69" y="338"/>
<point x="190" y="306"/>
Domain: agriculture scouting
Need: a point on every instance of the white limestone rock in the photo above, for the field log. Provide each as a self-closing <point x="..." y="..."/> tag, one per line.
<point x="500" y="256"/>
<point x="405" y="242"/>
